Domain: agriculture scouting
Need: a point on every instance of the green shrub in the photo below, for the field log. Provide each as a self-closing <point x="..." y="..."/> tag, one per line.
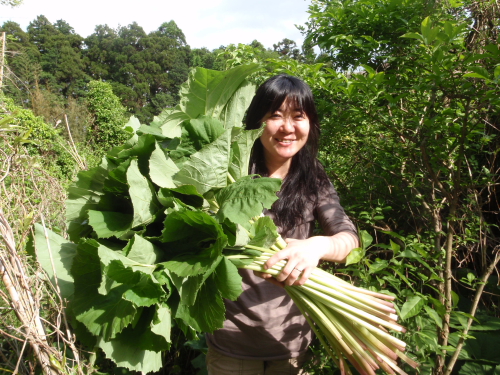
<point x="109" y="116"/>
<point x="40" y="138"/>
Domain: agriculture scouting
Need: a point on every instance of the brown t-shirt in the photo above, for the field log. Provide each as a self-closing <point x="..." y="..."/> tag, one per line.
<point x="264" y="323"/>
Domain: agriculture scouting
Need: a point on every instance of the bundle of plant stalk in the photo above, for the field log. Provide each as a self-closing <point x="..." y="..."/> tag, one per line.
<point x="160" y="228"/>
<point x="350" y="322"/>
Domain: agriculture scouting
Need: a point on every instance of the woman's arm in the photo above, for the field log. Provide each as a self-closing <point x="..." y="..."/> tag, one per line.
<point x="303" y="255"/>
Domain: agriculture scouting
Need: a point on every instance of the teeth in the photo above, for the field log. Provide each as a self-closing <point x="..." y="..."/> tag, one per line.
<point x="285" y="140"/>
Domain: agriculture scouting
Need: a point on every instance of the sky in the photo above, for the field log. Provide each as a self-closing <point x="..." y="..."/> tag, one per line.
<point x="205" y="23"/>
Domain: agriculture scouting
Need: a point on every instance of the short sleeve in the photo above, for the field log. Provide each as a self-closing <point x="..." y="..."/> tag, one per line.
<point x="330" y="214"/>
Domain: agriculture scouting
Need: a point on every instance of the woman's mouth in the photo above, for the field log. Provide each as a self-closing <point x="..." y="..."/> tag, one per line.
<point x="286" y="141"/>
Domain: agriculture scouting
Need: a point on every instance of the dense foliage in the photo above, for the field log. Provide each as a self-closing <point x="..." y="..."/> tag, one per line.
<point x="41" y="139"/>
<point x="411" y="138"/>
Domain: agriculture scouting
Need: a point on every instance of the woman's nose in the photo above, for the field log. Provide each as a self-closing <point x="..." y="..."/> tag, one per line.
<point x="287" y="125"/>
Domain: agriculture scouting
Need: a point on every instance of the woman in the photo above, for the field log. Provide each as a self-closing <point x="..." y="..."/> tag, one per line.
<point x="265" y="333"/>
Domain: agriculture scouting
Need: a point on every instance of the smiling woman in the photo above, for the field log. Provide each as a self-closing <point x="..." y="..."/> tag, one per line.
<point x="265" y="333"/>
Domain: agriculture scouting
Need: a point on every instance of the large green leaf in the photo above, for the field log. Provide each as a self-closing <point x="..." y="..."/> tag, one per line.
<point x="207" y="92"/>
<point x="140" y="288"/>
<point x="196" y="240"/>
<point x="151" y="331"/>
<point x="208" y="312"/>
<point x="247" y="198"/>
<point x="241" y="148"/>
<point x="207" y="169"/>
<point x="102" y="315"/>
<point x="132" y="126"/>
<point x="187" y="287"/>
<point x="142" y="251"/>
<point x="171" y="127"/>
<point x="203" y="130"/>
<point x="107" y="224"/>
<point x="116" y="181"/>
<point x="189" y="195"/>
<point x="135" y="278"/>
<point x="235" y="109"/>
<point x="105" y="315"/>
<point x="228" y="280"/>
<point x="85" y="194"/>
<point x="55" y="254"/>
<point x="142" y="195"/>
<point x="264" y="232"/>
<point x="162" y="169"/>
<point x="126" y="353"/>
<point x="162" y="322"/>
<point x="152" y="130"/>
<point x="143" y="148"/>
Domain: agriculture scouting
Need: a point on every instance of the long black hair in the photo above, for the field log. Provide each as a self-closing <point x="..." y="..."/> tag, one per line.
<point x="306" y="176"/>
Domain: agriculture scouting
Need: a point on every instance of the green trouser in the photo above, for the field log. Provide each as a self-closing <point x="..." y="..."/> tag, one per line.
<point x="219" y="364"/>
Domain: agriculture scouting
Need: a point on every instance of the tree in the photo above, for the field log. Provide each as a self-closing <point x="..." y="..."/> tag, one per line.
<point x="172" y="31"/>
<point x="146" y="70"/>
<point x="99" y="52"/>
<point x="351" y="33"/>
<point x="202" y="57"/>
<point x="287" y="48"/>
<point x="22" y="66"/>
<point x="60" y="56"/>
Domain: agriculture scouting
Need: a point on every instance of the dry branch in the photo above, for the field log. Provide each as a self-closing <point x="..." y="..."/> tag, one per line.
<point x="25" y="306"/>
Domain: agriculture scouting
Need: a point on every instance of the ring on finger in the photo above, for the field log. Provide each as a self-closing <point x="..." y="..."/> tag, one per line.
<point x="298" y="269"/>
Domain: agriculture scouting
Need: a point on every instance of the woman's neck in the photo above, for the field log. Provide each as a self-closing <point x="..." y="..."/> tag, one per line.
<point x="278" y="169"/>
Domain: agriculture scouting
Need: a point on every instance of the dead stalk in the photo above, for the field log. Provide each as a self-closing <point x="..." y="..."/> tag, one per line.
<point x="26" y="308"/>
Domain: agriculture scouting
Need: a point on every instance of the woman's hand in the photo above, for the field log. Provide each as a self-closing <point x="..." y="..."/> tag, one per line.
<point x="303" y="256"/>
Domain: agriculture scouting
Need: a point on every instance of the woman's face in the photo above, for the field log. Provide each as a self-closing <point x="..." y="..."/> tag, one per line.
<point x="286" y="132"/>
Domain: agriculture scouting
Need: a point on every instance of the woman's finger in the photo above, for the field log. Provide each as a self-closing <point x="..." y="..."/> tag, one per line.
<point x="294" y="276"/>
<point x="262" y="275"/>
<point x="304" y="276"/>
<point x="279" y="256"/>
